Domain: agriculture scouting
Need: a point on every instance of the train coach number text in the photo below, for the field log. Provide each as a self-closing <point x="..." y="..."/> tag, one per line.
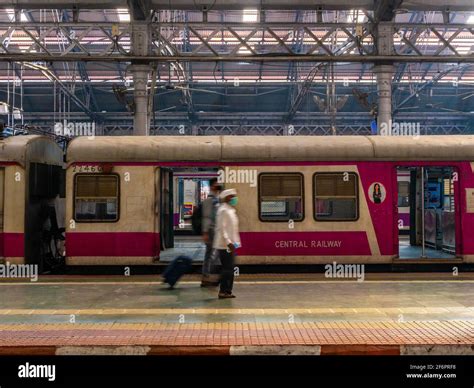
<point x="87" y="168"/>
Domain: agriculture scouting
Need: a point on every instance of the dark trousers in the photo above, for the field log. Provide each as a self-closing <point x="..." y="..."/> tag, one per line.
<point x="227" y="275"/>
<point x="207" y="263"/>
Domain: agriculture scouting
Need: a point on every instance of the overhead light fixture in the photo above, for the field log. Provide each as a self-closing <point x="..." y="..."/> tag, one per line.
<point x="11" y="15"/>
<point x="123" y="14"/>
<point x="3" y="108"/>
<point x="250" y="15"/>
<point x="17" y="114"/>
<point x="244" y="50"/>
<point x="355" y="16"/>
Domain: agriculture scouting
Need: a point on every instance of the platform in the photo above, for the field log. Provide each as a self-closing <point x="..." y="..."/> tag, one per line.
<point x="272" y="314"/>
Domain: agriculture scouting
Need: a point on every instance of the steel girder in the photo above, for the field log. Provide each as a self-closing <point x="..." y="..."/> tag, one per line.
<point x="320" y="42"/>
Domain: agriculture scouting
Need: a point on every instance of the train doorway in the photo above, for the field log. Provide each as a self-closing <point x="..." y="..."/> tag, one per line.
<point x="166" y="209"/>
<point x="182" y="192"/>
<point x="427" y="205"/>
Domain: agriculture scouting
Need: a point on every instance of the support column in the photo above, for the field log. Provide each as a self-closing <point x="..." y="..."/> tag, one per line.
<point x="141" y="118"/>
<point x="140" y="46"/>
<point x="384" y="73"/>
<point x="384" y="98"/>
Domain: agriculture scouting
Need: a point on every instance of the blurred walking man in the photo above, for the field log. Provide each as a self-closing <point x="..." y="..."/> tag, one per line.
<point x="227" y="240"/>
<point x="209" y="211"/>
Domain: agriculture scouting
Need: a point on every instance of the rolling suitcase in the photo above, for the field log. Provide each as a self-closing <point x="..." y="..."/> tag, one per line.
<point x="177" y="268"/>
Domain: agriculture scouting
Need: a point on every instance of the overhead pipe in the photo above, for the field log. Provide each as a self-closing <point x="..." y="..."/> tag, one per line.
<point x="208" y="5"/>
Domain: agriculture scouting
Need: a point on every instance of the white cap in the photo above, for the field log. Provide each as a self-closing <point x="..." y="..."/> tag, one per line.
<point x="226" y="193"/>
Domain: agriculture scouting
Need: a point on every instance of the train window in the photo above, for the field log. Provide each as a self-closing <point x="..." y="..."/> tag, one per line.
<point x="96" y="198"/>
<point x="281" y="197"/>
<point x="403" y="194"/>
<point x="335" y="197"/>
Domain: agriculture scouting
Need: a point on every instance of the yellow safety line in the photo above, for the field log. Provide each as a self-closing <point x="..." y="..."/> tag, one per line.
<point x="241" y="311"/>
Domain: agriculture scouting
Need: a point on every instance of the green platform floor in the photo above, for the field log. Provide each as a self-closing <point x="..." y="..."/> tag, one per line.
<point x="271" y="298"/>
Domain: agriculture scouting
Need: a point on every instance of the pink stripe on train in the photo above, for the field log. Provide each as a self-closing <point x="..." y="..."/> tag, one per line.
<point x="113" y="244"/>
<point x="304" y="243"/>
<point x="253" y="243"/>
<point x="12" y="244"/>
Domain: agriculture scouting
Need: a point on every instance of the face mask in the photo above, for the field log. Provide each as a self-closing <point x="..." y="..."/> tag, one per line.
<point x="233" y="201"/>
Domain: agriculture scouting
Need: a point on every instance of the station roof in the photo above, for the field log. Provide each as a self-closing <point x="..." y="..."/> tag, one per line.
<point x="241" y="96"/>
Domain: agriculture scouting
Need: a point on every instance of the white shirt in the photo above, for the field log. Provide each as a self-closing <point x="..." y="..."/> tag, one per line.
<point x="227" y="227"/>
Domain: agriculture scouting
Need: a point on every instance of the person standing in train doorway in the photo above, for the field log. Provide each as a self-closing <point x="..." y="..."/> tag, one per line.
<point x="227" y="240"/>
<point x="209" y="212"/>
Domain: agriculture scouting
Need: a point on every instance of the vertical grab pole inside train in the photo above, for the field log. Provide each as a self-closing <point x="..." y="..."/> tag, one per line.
<point x="423" y="212"/>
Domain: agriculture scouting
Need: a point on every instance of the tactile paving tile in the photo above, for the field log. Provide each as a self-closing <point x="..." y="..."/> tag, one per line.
<point x="208" y="334"/>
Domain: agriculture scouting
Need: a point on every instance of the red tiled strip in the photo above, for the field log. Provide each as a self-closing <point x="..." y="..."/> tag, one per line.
<point x="220" y="338"/>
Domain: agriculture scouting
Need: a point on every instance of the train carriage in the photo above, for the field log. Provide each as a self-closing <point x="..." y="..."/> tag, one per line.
<point x="30" y="175"/>
<point x="302" y="200"/>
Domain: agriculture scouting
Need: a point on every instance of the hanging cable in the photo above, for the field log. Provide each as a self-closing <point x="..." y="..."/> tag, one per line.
<point x="8" y="94"/>
<point x="54" y="102"/>
<point x="21" y="96"/>
<point x="13" y="94"/>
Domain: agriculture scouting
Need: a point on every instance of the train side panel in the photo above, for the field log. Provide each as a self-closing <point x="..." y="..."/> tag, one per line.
<point x="369" y="239"/>
<point x="133" y="239"/>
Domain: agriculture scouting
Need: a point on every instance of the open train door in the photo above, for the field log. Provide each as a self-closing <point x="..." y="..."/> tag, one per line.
<point x="431" y="203"/>
<point x="166" y="208"/>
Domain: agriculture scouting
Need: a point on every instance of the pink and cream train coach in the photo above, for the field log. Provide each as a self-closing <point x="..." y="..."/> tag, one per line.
<point x="302" y="200"/>
<point x="30" y="182"/>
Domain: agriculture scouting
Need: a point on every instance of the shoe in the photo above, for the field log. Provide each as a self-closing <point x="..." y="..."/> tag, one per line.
<point x="225" y="295"/>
